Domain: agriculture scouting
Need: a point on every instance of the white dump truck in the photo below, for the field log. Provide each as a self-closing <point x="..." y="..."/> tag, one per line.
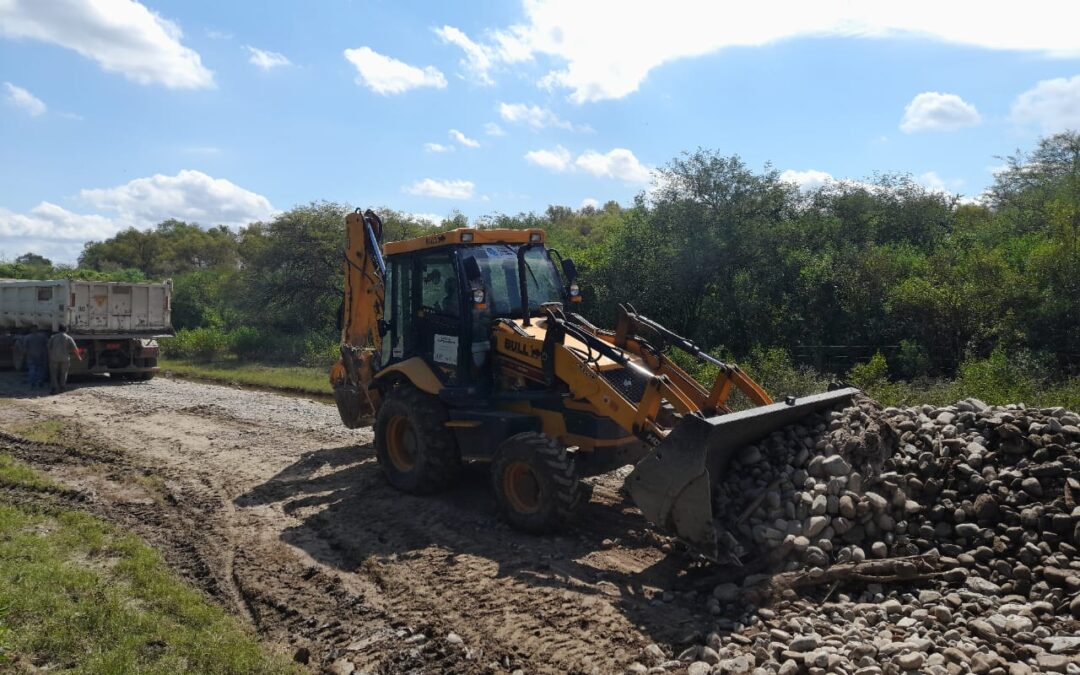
<point x="115" y="325"/>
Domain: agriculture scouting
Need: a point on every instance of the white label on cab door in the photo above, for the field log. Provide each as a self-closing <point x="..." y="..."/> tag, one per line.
<point x="446" y="350"/>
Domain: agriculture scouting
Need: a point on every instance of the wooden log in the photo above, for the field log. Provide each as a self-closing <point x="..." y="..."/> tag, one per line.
<point x="889" y="570"/>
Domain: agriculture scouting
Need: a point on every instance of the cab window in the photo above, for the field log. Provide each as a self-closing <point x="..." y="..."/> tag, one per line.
<point x="439" y="289"/>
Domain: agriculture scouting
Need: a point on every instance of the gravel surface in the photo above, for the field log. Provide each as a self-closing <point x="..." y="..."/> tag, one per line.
<point x="865" y="540"/>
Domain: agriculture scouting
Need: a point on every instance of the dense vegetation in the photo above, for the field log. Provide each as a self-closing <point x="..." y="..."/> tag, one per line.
<point x="736" y="259"/>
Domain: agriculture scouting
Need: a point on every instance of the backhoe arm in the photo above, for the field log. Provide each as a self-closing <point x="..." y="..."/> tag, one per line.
<point x="361" y="313"/>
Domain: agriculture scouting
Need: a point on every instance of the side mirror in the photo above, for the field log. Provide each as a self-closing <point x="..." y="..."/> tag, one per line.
<point x="569" y="269"/>
<point x="472" y="269"/>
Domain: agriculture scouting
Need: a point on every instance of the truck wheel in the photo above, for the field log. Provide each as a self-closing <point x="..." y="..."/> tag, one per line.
<point x="146" y="377"/>
<point x="535" y="482"/>
<point x="416" y="451"/>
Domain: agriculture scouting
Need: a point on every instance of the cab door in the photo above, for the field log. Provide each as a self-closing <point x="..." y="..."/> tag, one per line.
<point x="440" y="306"/>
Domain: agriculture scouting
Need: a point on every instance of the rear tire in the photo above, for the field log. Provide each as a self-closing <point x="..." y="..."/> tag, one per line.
<point x="416" y="451"/>
<point x="146" y="377"/>
<point x="535" y="482"/>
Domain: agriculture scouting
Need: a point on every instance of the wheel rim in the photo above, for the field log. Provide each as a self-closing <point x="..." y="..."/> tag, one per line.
<point x="521" y="486"/>
<point x="401" y="443"/>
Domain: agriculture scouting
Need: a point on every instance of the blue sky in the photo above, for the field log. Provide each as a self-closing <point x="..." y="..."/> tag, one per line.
<point x="115" y="113"/>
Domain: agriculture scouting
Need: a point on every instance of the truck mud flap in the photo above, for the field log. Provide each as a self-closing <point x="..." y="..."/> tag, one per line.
<point x="672" y="485"/>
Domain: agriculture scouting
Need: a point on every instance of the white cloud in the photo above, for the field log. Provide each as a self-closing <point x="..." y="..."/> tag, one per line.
<point x="558" y="160"/>
<point x="618" y="163"/>
<point x="49" y="221"/>
<point x="443" y="189"/>
<point x="935" y="183"/>
<point x="429" y="218"/>
<point x="934" y="111"/>
<point x="1052" y="104"/>
<point x="492" y="129"/>
<point x="123" y="36"/>
<point x="605" y="49"/>
<point x="535" y="117"/>
<point x="59" y="234"/>
<point x="477" y="59"/>
<point x="463" y="139"/>
<point x="265" y="59"/>
<point x="385" y="75"/>
<point x="438" y="147"/>
<point x="20" y="98"/>
<point x="189" y="195"/>
<point x="590" y="203"/>
<point x="811" y="179"/>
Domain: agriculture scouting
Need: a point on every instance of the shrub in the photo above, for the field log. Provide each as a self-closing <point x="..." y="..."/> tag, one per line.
<point x="1001" y="378"/>
<point x="246" y="343"/>
<point x="871" y="374"/>
<point x="912" y="361"/>
<point x="774" y="370"/>
<point x="198" y="344"/>
<point x="320" y="352"/>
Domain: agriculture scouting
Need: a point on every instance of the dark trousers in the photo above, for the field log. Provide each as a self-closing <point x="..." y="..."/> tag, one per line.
<point x="37" y="371"/>
<point x="58" y="374"/>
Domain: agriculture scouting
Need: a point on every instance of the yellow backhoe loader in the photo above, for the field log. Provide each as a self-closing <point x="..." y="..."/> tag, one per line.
<point x="461" y="346"/>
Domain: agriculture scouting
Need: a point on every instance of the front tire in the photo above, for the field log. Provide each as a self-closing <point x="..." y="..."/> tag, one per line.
<point x="416" y="451"/>
<point x="535" y="483"/>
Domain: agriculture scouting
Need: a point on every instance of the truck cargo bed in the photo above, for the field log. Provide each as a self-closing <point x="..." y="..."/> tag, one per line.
<point x="87" y="307"/>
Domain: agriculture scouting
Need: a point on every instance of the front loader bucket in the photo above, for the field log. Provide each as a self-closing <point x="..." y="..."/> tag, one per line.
<point x="672" y="485"/>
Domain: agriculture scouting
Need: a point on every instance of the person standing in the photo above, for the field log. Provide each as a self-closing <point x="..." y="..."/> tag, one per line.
<point x="36" y="353"/>
<point x="18" y="353"/>
<point x="61" y="349"/>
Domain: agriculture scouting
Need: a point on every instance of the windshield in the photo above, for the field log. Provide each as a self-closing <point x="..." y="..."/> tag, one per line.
<point x="499" y="268"/>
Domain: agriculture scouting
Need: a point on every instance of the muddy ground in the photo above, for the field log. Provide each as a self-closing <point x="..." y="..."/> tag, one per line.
<point x="277" y="511"/>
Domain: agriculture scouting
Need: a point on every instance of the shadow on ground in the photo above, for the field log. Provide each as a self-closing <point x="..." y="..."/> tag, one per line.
<point x="14" y="385"/>
<point x="351" y="517"/>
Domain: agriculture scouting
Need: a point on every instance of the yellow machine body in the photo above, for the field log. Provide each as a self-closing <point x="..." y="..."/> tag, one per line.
<point x="612" y="397"/>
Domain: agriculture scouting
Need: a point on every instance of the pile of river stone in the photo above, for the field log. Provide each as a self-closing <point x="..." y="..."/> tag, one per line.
<point x="991" y="493"/>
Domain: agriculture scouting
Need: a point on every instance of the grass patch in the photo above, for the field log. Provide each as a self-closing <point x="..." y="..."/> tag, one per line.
<point x="16" y="473"/>
<point x="45" y="431"/>
<point x="286" y="378"/>
<point x="155" y="485"/>
<point x="78" y="595"/>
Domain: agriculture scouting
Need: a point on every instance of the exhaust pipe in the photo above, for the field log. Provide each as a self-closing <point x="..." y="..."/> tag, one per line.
<point x="672" y="484"/>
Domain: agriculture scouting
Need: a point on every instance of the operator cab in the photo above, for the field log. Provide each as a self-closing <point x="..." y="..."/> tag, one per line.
<point x="443" y="292"/>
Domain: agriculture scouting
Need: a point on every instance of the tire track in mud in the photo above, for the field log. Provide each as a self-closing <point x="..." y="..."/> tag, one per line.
<point x="289" y="522"/>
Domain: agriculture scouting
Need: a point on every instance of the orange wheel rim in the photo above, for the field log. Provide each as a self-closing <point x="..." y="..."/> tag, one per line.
<point x="521" y="486"/>
<point x="401" y="443"/>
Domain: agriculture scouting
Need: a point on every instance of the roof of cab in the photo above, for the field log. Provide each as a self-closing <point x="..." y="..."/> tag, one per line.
<point x="466" y="236"/>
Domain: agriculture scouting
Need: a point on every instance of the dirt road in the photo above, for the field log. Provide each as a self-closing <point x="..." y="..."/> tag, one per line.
<point x="271" y="506"/>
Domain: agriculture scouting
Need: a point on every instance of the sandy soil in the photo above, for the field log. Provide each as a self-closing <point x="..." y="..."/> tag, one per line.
<point x="280" y="513"/>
